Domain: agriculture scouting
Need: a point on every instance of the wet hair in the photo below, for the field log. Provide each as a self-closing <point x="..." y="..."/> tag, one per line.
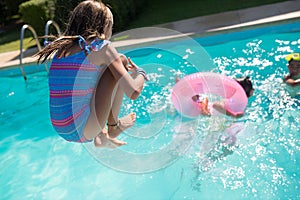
<point x="246" y="84"/>
<point x="89" y="19"/>
<point x="293" y="60"/>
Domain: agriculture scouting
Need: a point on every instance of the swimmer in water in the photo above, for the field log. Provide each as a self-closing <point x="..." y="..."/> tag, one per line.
<point x="220" y="105"/>
<point x="293" y="78"/>
<point x="203" y="102"/>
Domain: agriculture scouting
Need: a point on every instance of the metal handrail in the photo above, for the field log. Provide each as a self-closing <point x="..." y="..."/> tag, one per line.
<point x="24" y="27"/>
<point x="50" y="22"/>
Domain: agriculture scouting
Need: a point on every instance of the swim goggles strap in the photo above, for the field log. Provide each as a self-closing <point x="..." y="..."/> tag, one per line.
<point x="82" y="44"/>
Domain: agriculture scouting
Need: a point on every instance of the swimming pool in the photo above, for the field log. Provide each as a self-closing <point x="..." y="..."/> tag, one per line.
<point x="264" y="162"/>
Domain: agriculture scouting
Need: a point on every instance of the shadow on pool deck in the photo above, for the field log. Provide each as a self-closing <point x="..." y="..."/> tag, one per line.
<point x="199" y="25"/>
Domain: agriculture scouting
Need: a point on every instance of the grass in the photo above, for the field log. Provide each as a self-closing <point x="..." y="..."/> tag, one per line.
<point x="158" y="11"/>
<point x="10" y="39"/>
<point x="15" y="45"/>
<point x="155" y="12"/>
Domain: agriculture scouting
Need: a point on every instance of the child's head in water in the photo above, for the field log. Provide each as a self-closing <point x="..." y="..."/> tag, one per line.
<point x="293" y="64"/>
<point x="246" y="85"/>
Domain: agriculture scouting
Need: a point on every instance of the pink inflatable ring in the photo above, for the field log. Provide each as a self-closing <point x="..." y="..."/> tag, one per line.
<point x="234" y="96"/>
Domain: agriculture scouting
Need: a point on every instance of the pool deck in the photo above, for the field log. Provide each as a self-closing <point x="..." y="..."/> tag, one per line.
<point x="203" y="25"/>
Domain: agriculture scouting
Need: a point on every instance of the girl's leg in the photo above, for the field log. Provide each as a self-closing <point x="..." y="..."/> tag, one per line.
<point x="101" y="105"/>
<point x="115" y="125"/>
<point x="106" y="97"/>
<point x="103" y="140"/>
<point x="116" y="106"/>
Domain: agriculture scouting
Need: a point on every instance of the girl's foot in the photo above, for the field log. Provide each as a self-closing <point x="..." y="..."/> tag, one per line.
<point x="114" y="130"/>
<point x="103" y="140"/>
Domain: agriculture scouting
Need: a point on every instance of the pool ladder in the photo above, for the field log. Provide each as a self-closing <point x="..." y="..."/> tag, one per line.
<point x="26" y="26"/>
<point x="50" y="22"/>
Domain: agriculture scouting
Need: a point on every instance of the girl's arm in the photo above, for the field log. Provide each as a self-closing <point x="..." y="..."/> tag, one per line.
<point x="292" y="82"/>
<point x="220" y="106"/>
<point x="131" y="85"/>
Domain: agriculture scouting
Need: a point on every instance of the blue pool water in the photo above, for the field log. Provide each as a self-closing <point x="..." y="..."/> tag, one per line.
<point x="167" y="156"/>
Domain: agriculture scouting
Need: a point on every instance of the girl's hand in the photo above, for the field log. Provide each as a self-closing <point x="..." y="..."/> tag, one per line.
<point x="135" y="70"/>
<point x="132" y="67"/>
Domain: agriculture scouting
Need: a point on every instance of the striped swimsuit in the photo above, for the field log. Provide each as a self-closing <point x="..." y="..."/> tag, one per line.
<point x="72" y="83"/>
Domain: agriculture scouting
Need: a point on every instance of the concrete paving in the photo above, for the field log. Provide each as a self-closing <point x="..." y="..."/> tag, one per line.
<point x="238" y="19"/>
<point x="199" y="25"/>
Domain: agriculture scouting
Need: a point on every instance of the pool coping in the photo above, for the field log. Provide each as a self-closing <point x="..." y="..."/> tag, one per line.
<point x="200" y="26"/>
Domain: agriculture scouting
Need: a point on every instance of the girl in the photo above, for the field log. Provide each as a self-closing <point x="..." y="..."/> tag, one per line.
<point x="202" y="101"/>
<point x="87" y="79"/>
